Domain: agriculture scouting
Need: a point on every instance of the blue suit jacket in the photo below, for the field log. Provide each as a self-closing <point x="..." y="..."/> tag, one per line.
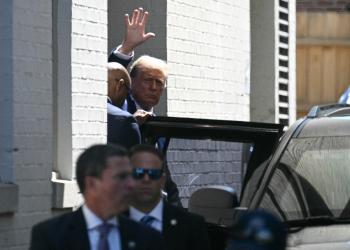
<point x="113" y="58"/>
<point x="122" y="127"/>
<point x="69" y="232"/>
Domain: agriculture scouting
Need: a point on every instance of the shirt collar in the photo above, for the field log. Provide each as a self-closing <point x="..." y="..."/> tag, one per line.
<point x="93" y="221"/>
<point x="156" y="213"/>
<point x="109" y="100"/>
<point x="138" y="106"/>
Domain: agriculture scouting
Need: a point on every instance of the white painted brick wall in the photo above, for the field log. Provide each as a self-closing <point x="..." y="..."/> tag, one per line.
<point x="89" y="74"/>
<point x="31" y="69"/>
<point x="208" y="43"/>
<point x="195" y="164"/>
<point x="29" y="76"/>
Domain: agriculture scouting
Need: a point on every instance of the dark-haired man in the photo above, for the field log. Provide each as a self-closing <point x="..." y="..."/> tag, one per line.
<point x="180" y="229"/>
<point x="104" y="178"/>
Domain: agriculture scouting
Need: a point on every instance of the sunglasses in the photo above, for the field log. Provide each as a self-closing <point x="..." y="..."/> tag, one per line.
<point x="154" y="174"/>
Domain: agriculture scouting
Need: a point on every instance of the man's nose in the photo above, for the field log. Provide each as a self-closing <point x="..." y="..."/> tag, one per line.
<point x="146" y="178"/>
<point x="130" y="183"/>
<point x="153" y="85"/>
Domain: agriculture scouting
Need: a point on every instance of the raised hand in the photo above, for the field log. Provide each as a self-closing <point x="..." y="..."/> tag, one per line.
<point x="135" y="32"/>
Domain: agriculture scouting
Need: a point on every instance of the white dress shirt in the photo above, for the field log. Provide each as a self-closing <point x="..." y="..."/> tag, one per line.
<point x="156" y="213"/>
<point x="125" y="105"/>
<point x="92" y="224"/>
<point x="122" y="56"/>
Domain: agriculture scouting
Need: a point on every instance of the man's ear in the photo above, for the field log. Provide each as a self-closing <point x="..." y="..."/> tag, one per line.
<point x="90" y="183"/>
<point x="119" y="84"/>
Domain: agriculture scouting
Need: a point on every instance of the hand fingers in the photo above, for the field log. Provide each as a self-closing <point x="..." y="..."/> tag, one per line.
<point x="127" y="19"/>
<point x="148" y="35"/>
<point x="139" y="16"/>
<point x="134" y="16"/>
<point x="144" y="19"/>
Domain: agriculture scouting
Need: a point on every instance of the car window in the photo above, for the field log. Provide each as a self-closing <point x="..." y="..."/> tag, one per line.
<point x="199" y="163"/>
<point x="312" y="179"/>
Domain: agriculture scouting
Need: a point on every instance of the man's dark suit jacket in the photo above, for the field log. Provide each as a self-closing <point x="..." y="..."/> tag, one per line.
<point x="68" y="232"/>
<point x="122" y="127"/>
<point x="183" y="230"/>
<point x="170" y="186"/>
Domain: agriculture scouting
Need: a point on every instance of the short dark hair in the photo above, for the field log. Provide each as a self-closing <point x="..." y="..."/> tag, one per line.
<point x="93" y="161"/>
<point x="145" y="148"/>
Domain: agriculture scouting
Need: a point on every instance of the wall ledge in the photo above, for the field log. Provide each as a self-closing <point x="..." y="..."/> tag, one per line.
<point x="8" y="198"/>
<point x="65" y="194"/>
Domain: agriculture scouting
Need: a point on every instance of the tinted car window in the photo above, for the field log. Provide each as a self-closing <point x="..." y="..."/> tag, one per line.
<point x="199" y="163"/>
<point x="311" y="179"/>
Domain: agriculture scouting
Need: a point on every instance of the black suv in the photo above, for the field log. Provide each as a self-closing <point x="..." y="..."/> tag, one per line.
<point x="224" y="168"/>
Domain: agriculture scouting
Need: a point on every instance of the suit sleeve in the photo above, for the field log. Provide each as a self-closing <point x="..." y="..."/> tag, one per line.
<point x="113" y="58"/>
<point x="171" y="188"/>
<point x="129" y="135"/>
<point x="38" y="241"/>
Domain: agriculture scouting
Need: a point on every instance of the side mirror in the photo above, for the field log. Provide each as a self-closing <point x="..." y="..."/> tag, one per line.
<point x="216" y="203"/>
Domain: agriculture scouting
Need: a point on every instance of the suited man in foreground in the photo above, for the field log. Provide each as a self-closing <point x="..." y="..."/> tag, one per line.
<point x="123" y="127"/>
<point x="104" y="178"/>
<point x="180" y="229"/>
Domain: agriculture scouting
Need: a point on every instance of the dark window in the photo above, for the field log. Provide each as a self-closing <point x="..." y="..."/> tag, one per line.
<point x="284" y="27"/>
<point x="283" y="51"/>
<point x="283" y="87"/>
<point x="311" y="178"/>
<point x="283" y="16"/>
<point x="284" y="122"/>
<point x="283" y="98"/>
<point x="284" y="4"/>
<point x="283" y="75"/>
<point x="284" y="40"/>
<point x="283" y="111"/>
<point x="283" y="63"/>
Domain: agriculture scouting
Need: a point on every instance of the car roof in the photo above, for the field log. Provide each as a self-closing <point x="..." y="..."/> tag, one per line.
<point x="334" y="109"/>
<point x="326" y="120"/>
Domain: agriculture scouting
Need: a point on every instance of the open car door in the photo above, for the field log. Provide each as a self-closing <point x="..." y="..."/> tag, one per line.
<point x="221" y="148"/>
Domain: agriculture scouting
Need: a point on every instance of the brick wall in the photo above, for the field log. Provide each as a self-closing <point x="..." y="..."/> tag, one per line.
<point x="89" y="74"/>
<point x="81" y="113"/>
<point x="208" y="45"/>
<point x="199" y="163"/>
<point x="28" y="62"/>
<point x="323" y="5"/>
<point x="53" y="57"/>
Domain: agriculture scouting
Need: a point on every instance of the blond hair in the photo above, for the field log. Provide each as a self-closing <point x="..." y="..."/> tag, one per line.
<point x="146" y="62"/>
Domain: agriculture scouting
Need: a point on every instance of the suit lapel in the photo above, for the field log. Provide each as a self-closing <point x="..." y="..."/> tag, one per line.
<point x="128" y="235"/>
<point x="131" y="106"/>
<point x="78" y="237"/>
<point x="170" y="224"/>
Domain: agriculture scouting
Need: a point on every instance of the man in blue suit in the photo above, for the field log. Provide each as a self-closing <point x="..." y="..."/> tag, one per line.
<point x="148" y="78"/>
<point x="104" y="178"/>
<point x="123" y="128"/>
